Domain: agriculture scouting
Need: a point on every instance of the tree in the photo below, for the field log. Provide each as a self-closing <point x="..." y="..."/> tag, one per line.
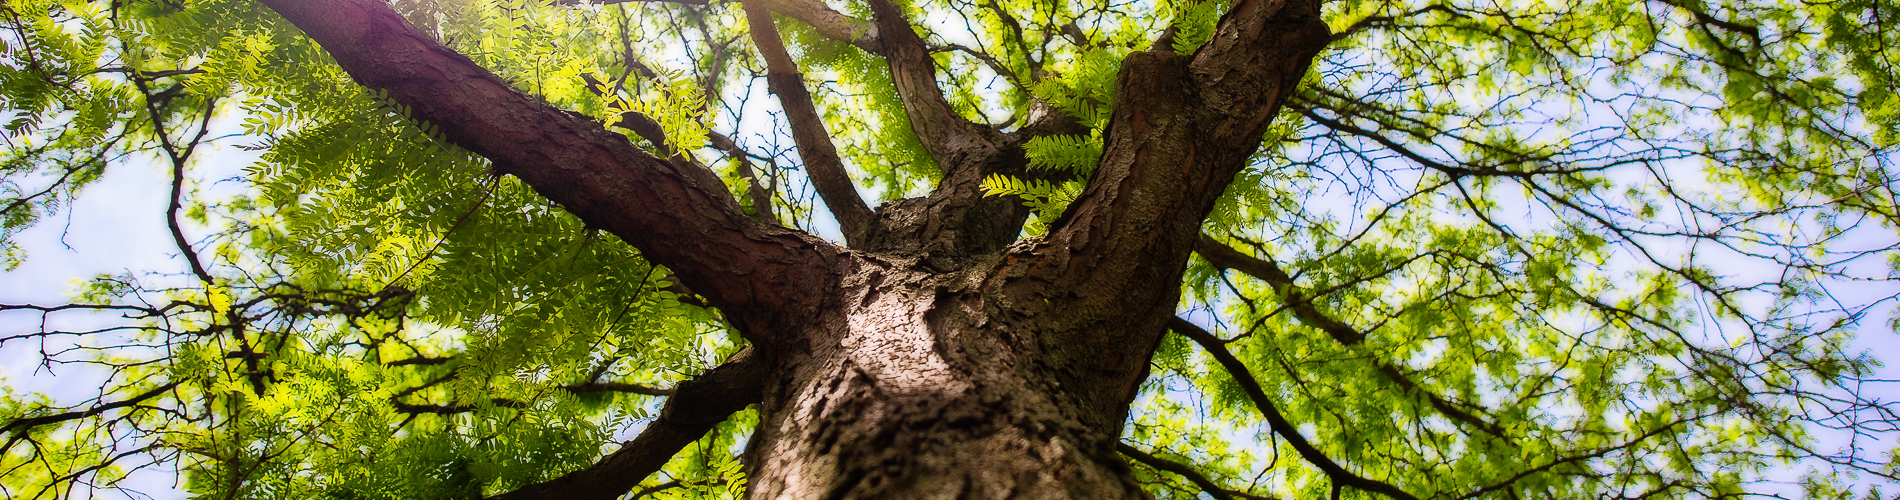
<point x="1430" y="249"/>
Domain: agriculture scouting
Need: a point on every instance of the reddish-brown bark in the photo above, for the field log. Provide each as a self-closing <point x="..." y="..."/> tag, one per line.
<point x="933" y="359"/>
<point x="677" y="215"/>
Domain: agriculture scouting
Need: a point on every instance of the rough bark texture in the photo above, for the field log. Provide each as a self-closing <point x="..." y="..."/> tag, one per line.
<point x="935" y="358"/>
<point x="921" y="394"/>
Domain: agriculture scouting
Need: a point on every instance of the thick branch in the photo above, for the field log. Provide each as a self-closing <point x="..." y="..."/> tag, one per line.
<point x="952" y="140"/>
<point x="678" y="215"/>
<point x="693" y="409"/>
<point x="808" y="128"/>
<point x="1276" y="421"/>
<point x="1180" y="132"/>
<point x="831" y="23"/>
<point x="1181" y="129"/>
<point x="956" y="220"/>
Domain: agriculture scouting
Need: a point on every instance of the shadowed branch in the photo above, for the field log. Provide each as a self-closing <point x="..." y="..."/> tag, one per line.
<point x="1206" y="484"/>
<point x="1299" y="301"/>
<point x="692" y="410"/>
<point x="1275" y="420"/>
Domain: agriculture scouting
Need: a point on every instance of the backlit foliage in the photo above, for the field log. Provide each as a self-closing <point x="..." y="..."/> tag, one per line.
<point x="1530" y="249"/>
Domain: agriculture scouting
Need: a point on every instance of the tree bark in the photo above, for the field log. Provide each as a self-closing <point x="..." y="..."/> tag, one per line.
<point x="921" y="393"/>
<point x="937" y="360"/>
<point x="678" y="215"/>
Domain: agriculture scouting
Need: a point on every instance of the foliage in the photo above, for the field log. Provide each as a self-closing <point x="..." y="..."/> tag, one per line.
<point x="1069" y="155"/>
<point x="1529" y="249"/>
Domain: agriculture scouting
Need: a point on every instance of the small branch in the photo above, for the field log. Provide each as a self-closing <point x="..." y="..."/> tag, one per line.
<point x="1575" y="458"/>
<point x="153" y="75"/>
<point x="683" y="294"/>
<point x="1275" y="420"/>
<point x="178" y="156"/>
<point x="648" y="129"/>
<point x="73" y="167"/>
<point x="425" y="361"/>
<point x="451" y="409"/>
<point x="1703" y="17"/>
<point x="149" y="311"/>
<point x="651" y="490"/>
<point x="488" y="191"/>
<point x="1297" y="300"/>
<point x="641" y="124"/>
<point x="456" y="409"/>
<point x="1225" y="257"/>
<point x="760" y="194"/>
<point x="1384" y="21"/>
<point x="26" y="424"/>
<point x="1208" y="485"/>
<point x="617" y="387"/>
<point x="425" y="385"/>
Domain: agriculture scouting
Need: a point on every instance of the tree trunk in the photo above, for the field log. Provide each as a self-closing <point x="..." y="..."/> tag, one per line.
<point x="921" y="389"/>
<point x="930" y="361"/>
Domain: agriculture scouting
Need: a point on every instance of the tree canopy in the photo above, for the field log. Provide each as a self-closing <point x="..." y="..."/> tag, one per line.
<point x="1483" y="249"/>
